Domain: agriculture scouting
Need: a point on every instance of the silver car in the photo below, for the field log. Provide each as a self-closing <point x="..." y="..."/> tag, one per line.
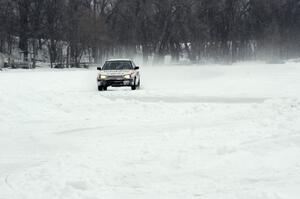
<point x="118" y="73"/>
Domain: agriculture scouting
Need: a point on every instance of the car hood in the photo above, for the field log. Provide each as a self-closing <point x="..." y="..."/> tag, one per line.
<point x="116" y="72"/>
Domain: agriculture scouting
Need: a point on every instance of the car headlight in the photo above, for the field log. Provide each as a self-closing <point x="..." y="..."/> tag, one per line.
<point x="102" y="77"/>
<point x="127" y="76"/>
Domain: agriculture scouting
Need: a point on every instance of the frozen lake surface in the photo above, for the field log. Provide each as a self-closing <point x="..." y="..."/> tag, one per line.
<point x="211" y="132"/>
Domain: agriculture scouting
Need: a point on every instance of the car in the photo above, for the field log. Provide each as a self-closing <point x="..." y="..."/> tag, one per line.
<point x="119" y="73"/>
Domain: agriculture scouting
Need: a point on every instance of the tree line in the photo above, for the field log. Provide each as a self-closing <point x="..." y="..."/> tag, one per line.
<point x="218" y="30"/>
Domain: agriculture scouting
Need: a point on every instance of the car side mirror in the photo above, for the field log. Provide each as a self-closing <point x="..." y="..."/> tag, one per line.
<point x="136" y="68"/>
<point x="99" y="68"/>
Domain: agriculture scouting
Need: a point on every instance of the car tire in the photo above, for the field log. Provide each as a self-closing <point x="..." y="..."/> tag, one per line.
<point x="105" y="88"/>
<point x="139" y="84"/>
<point x="133" y="87"/>
<point x="100" y="88"/>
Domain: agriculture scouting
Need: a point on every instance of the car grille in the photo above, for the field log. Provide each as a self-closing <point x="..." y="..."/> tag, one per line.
<point x="115" y="77"/>
<point x="115" y="82"/>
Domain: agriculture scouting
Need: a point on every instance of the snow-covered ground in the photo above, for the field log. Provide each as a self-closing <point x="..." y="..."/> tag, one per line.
<point x="204" y="132"/>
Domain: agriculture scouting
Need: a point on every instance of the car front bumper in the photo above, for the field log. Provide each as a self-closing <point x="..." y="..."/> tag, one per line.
<point x="116" y="82"/>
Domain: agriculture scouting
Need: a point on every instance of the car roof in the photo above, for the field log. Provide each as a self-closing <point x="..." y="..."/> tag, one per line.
<point x="120" y="60"/>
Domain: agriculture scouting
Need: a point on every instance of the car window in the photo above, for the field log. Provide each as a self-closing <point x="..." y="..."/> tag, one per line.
<point x="117" y="65"/>
<point x="133" y="65"/>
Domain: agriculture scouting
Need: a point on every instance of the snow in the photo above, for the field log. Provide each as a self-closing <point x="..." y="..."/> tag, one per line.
<point x="209" y="131"/>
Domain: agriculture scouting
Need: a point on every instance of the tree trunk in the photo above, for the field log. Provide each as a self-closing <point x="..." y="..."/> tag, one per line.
<point x="24" y="29"/>
<point x="35" y="52"/>
<point x="158" y="56"/>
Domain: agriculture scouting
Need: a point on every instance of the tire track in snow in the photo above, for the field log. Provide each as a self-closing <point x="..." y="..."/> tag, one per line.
<point x="190" y="99"/>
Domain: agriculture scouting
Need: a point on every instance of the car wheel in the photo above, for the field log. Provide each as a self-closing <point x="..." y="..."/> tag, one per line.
<point x="100" y="88"/>
<point x="105" y="88"/>
<point x="133" y="87"/>
<point x="139" y="84"/>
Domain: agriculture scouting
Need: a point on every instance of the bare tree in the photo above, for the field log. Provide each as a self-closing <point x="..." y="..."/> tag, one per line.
<point x="219" y="30"/>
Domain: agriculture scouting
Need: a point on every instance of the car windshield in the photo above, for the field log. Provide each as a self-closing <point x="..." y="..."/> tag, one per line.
<point x="117" y="65"/>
